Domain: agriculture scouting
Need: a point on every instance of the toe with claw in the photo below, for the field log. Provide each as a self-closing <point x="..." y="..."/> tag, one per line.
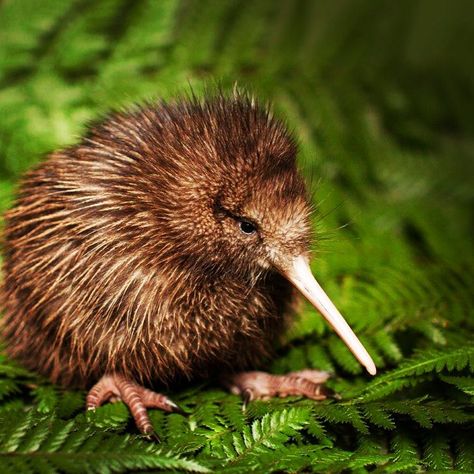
<point x="115" y="387"/>
<point x="262" y="386"/>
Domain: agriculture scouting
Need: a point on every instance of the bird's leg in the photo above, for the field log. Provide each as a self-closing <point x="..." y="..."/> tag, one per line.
<point x="115" y="387"/>
<point x="262" y="386"/>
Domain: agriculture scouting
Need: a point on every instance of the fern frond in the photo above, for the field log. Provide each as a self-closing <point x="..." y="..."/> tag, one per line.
<point x="422" y="363"/>
<point x="387" y="345"/>
<point x="46" y="398"/>
<point x="29" y="440"/>
<point x="112" y="416"/>
<point x="465" y="384"/>
<point x="316" y="428"/>
<point x="340" y="413"/>
<point x="464" y="450"/>
<point x="425" y="413"/>
<point x="8" y="387"/>
<point x="232" y="412"/>
<point x="267" y="433"/>
<point x="406" y="456"/>
<point x="437" y="455"/>
<point x="70" y="403"/>
<point x="343" y="356"/>
<point x="377" y="414"/>
<point x="10" y="368"/>
<point x="379" y="391"/>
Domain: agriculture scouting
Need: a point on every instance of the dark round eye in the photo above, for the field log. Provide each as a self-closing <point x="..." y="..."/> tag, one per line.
<point x="247" y="227"/>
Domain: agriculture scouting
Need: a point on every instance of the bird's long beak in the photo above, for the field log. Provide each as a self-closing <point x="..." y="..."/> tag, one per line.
<point x="300" y="275"/>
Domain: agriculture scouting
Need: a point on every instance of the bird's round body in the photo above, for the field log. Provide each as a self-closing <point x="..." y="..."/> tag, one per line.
<point x="153" y="248"/>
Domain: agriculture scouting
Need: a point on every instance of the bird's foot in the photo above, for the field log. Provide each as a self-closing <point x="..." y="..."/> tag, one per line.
<point x="262" y="386"/>
<point x="115" y="387"/>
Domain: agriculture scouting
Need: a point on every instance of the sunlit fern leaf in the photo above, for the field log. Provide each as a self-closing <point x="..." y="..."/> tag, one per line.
<point x="181" y="436"/>
<point x="331" y="459"/>
<point x="267" y="433"/>
<point x="422" y="363"/>
<point x="380" y="391"/>
<point x="232" y="410"/>
<point x="360" y="461"/>
<point x="12" y="433"/>
<point x="111" y="416"/>
<point x="28" y="438"/>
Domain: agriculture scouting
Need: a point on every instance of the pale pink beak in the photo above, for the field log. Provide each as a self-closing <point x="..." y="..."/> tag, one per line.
<point x="300" y="275"/>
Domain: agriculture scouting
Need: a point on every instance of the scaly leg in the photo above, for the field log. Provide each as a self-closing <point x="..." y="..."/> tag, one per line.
<point x="115" y="387"/>
<point x="262" y="386"/>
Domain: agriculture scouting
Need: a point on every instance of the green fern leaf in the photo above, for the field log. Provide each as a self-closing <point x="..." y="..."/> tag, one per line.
<point x="465" y="384"/>
<point x="8" y="387"/>
<point x="464" y="450"/>
<point x="406" y="456"/>
<point x="316" y="428"/>
<point x="269" y="432"/>
<point x="109" y="416"/>
<point x="11" y="369"/>
<point x="376" y="414"/>
<point x="232" y="411"/>
<point x="387" y="345"/>
<point x="437" y="455"/>
<point x="422" y="363"/>
<point x="70" y="403"/>
<point x="340" y="413"/>
<point x="343" y="356"/>
<point x="27" y="439"/>
<point x="46" y="398"/>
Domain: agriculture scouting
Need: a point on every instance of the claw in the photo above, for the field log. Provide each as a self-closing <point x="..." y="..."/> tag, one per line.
<point x="115" y="387"/>
<point x="330" y="393"/>
<point x="152" y="436"/>
<point x="247" y="396"/>
<point x="175" y="408"/>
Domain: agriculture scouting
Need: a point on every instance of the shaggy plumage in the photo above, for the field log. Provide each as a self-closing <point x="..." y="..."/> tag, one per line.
<point x="126" y="253"/>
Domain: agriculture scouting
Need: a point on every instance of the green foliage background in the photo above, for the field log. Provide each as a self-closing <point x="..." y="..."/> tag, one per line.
<point x="380" y="94"/>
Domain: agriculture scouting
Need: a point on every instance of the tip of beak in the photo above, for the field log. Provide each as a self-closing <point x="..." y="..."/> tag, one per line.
<point x="300" y="275"/>
<point x="371" y="369"/>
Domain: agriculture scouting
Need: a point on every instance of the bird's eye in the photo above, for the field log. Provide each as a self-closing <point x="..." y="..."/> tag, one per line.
<point x="247" y="227"/>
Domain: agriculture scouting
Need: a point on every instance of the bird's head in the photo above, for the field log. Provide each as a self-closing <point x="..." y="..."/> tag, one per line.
<point x="236" y="203"/>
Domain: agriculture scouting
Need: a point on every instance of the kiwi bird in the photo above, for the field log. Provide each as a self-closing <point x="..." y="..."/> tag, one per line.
<point x="167" y="245"/>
